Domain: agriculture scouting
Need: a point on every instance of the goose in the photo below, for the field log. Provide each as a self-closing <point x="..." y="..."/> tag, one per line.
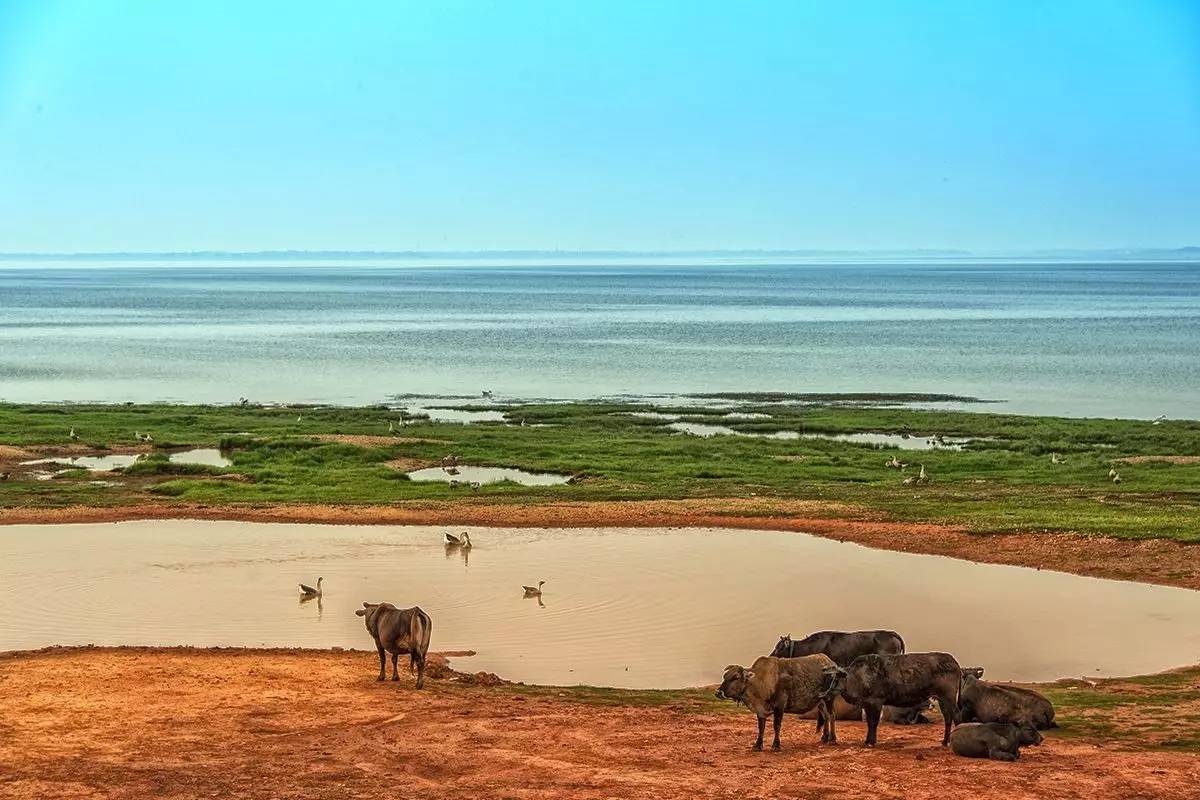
<point x="300" y="418"/>
<point x="486" y="393"/>
<point x="474" y="486"/>
<point x="533" y="591"/>
<point x="1116" y="478"/>
<point x="923" y="477"/>
<point x="308" y="591"/>
<point x="1055" y="458"/>
<point x="1112" y="473"/>
<point x="391" y="427"/>
<point x="894" y="463"/>
<point x="143" y="437"/>
<point x="911" y="479"/>
<point x="466" y="545"/>
<point x="455" y="541"/>
<point x="73" y="434"/>
<point x="1159" y="420"/>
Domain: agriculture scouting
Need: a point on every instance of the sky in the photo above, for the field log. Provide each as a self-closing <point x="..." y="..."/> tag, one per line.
<point x="217" y="125"/>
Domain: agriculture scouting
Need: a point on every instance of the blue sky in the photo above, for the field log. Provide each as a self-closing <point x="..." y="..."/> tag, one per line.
<point x="647" y="125"/>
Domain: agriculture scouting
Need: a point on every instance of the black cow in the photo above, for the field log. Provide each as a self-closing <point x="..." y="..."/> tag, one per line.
<point x="908" y="679"/>
<point x="841" y="646"/>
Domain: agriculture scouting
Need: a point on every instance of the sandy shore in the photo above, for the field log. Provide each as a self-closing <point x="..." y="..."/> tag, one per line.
<point x="182" y="723"/>
<point x="1151" y="561"/>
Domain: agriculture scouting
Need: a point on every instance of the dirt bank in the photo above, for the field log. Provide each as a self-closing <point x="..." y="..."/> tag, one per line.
<point x="1152" y="561"/>
<point x="181" y="723"/>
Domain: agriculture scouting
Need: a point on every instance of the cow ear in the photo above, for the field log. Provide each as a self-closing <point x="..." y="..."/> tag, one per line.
<point x="360" y="613"/>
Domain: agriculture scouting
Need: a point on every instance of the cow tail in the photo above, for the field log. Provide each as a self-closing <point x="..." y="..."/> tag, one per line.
<point x="425" y="633"/>
<point x="903" y="647"/>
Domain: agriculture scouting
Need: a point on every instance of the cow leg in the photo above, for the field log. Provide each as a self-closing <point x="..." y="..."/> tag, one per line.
<point x="420" y="669"/>
<point x="395" y="671"/>
<point x="382" y="662"/>
<point x="1001" y="755"/>
<point x="762" y="728"/>
<point x="777" y="721"/>
<point x="873" y="713"/>
<point x="949" y="711"/>
<point x="829" y="735"/>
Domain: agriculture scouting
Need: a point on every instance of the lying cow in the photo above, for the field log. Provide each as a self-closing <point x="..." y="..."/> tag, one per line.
<point x="907" y="715"/>
<point x="398" y="631"/>
<point x="841" y="646"/>
<point x="779" y="686"/>
<point x="983" y="701"/>
<point x="908" y="679"/>
<point x="999" y="741"/>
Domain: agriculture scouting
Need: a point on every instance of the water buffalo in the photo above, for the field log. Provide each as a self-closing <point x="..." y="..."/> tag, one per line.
<point x="906" y="715"/>
<point x="983" y="701"/>
<point x="398" y="631"/>
<point x="841" y="646"/>
<point x="999" y="741"/>
<point x="779" y="686"/>
<point x="907" y="679"/>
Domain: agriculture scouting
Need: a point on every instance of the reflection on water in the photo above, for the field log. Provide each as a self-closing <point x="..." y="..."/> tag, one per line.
<point x="893" y="440"/>
<point x="481" y="475"/>
<point x="699" y="429"/>
<point x="637" y="608"/>
<point x="455" y="415"/>
<point x="206" y="456"/>
<point x="93" y="463"/>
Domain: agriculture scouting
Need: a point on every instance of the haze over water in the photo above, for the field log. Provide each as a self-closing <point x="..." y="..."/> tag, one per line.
<point x="1115" y="339"/>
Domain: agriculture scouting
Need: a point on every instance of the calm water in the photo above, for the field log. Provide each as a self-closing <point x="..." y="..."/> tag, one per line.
<point x="638" y="608"/>
<point x="1094" y="339"/>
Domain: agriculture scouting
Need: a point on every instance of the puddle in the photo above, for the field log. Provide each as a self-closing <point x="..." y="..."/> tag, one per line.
<point x="706" y="431"/>
<point x="93" y="463"/>
<point x="874" y="439"/>
<point x="650" y="415"/>
<point x="892" y="440"/>
<point x="455" y="415"/>
<point x="637" y="608"/>
<point x="745" y="415"/>
<point x="206" y="456"/>
<point x="468" y="475"/>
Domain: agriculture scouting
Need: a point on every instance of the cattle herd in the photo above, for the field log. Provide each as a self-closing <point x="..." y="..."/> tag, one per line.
<point x="846" y="675"/>
<point x="827" y="676"/>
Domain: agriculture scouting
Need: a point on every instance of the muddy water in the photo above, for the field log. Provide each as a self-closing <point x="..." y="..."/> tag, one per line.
<point x="637" y="608"/>
<point x="466" y="474"/>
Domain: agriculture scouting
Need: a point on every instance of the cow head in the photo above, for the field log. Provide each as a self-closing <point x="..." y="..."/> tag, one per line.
<point x="833" y="681"/>
<point x="1027" y="734"/>
<point x="784" y="648"/>
<point x="366" y="609"/>
<point x="972" y="673"/>
<point x="734" y="683"/>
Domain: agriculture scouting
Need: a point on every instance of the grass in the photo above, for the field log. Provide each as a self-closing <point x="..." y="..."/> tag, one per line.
<point x="1002" y="481"/>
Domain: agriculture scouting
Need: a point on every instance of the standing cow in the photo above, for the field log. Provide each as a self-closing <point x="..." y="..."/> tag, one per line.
<point x="841" y="646"/>
<point x="899" y="680"/>
<point x="779" y="686"/>
<point x="398" y="631"/>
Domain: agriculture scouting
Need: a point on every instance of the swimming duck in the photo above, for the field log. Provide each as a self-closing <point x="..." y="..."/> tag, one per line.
<point x="533" y="591"/>
<point x="308" y="591"/>
<point x="454" y="541"/>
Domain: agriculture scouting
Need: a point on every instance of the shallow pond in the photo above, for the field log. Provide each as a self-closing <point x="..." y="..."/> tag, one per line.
<point x="703" y="430"/>
<point x="467" y="474"/>
<point x="457" y="415"/>
<point x="639" y="608"/>
<point x="206" y="456"/>
<point x="93" y="463"/>
<point x="891" y="440"/>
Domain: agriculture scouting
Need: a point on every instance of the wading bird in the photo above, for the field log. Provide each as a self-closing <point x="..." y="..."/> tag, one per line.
<point x="308" y="591"/>
<point x="533" y="591"/>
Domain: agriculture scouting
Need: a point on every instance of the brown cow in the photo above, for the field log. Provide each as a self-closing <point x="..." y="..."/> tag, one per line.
<point x="398" y="631"/>
<point x="899" y="680"/>
<point x="779" y="686"/>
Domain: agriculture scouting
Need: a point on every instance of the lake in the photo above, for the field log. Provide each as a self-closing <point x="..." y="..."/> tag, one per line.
<point x="1114" y="339"/>
<point x="621" y="607"/>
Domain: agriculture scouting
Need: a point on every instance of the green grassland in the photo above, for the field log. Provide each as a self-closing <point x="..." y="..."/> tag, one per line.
<point x="1003" y="480"/>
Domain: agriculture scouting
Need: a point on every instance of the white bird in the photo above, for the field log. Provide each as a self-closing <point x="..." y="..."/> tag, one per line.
<point x="533" y="591"/>
<point x="73" y="434"/>
<point x="1159" y="420"/>
<point x="922" y="478"/>
<point x="299" y="418"/>
<point x="391" y="428"/>
<point x="475" y="486"/>
<point x="1112" y="473"/>
<point x="1116" y="478"/>
<point x="466" y="545"/>
<point x="308" y="591"/>
<point x="1055" y="458"/>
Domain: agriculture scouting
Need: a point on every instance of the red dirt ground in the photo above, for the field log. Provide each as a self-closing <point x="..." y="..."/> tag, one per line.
<point x="181" y="723"/>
